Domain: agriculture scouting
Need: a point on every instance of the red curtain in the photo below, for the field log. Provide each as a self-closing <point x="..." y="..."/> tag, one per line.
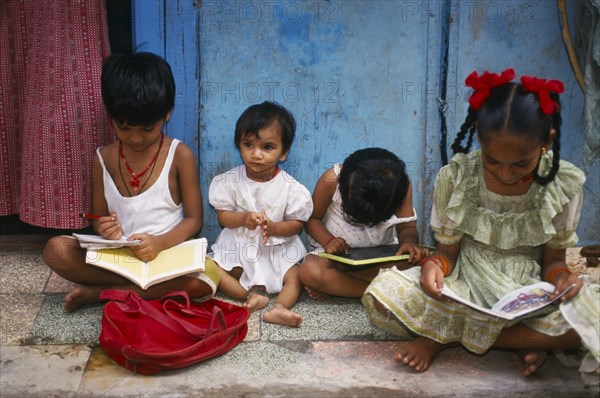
<point x="51" y="112"/>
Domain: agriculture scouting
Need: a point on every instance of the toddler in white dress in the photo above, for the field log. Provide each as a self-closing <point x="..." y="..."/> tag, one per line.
<point x="262" y="209"/>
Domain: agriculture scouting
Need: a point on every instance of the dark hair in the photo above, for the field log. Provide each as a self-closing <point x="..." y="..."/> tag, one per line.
<point x="513" y="109"/>
<point x="373" y="183"/>
<point x="259" y="116"/>
<point x="137" y="89"/>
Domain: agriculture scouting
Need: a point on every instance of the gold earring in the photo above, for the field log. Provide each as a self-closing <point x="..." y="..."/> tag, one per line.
<point x="543" y="150"/>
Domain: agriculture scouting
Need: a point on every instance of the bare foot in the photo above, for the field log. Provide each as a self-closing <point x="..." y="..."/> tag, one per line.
<point x="81" y="296"/>
<point x="532" y="360"/>
<point x="419" y="353"/>
<point x="256" y="302"/>
<point x="282" y="316"/>
<point x="315" y="294"/>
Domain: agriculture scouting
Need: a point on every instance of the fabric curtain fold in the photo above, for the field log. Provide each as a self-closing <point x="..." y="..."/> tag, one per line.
<point x="51" y="113"/>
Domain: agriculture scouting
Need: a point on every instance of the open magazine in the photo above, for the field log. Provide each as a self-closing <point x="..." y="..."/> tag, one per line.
<point x="516" y="303"/>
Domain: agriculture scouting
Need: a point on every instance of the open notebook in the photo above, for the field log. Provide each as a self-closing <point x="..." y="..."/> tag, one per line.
<point x="367" y="256"/>
<point x="185" y="258"/>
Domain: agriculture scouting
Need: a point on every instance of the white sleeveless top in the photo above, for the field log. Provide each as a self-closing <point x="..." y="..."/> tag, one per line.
<point x="358" y="235"/>
<point x="151" y="212"/>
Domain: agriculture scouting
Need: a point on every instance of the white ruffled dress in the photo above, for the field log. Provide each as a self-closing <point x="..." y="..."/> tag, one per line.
<point x="282" y="198"/>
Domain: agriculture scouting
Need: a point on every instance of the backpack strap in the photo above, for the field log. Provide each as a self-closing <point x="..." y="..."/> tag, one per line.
<point x="131" y="302"/>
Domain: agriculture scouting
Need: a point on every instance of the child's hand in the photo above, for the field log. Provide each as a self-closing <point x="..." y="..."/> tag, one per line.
<point x="109" y="227"/>
<point x="415" y="252"/>
<point x="562" y="281"/>
<point x="432" y="280"/>
<point x="148" y="249"/>
<point x="337" y="245"/>
<point x="268" y="227"/>
<point x="252" y="219"/>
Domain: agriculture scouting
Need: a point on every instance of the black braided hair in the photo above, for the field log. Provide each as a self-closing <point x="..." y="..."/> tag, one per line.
<point x="467" y="127"/>
<point x="556" y="124"/>
<point x="510" y="107"/>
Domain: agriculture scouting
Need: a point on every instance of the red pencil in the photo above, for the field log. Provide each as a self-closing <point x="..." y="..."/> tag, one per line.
<point x="89" y="216"/>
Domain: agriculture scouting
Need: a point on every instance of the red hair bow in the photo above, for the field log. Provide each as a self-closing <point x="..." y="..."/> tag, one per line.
<point x="542" y="88"/>
<point x="484" y="83"/>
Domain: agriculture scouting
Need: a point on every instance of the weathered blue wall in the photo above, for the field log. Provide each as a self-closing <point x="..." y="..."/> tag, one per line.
<point x="339" y="67"/>
<point x="354" y="73"/>
<point x="526" y="36"/>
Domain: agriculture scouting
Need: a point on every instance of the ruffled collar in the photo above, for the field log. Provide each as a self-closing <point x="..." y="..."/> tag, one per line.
<point x="531" y="226"/>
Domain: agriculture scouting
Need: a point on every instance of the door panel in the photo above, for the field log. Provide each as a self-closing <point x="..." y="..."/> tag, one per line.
<point x="355" y="74"/>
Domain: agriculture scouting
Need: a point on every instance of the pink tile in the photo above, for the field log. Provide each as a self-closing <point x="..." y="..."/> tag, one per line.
<point x="366" y="350"/>
<point x="57" y="284"/>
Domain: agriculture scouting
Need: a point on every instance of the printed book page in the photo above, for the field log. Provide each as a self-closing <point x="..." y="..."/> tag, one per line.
<point x="98" y="242"/>
<point x="185" y="258"/>
<point x="526" y="299"/>
<point x="189" y="255"/>
<point x="515" y="304"/>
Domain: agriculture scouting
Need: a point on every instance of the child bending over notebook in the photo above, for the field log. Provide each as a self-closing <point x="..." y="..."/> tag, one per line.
<point x="365" y="202"/>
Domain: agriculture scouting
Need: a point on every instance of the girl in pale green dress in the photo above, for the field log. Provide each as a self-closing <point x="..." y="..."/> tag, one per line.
<point x="503" y="217"/>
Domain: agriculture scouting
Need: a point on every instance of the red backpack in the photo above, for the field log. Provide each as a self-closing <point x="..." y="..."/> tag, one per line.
<point x="147" y="336"/>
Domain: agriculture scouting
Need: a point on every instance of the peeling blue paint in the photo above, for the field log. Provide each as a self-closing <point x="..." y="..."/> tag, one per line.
<point x="354" y="73"/>
<point x="298" y="38"/>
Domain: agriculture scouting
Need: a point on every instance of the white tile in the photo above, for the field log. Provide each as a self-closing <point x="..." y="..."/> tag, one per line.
<point x="52" y="370"/>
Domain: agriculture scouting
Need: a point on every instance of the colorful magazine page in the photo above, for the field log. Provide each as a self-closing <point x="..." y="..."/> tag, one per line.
<point x="516" y="303"/>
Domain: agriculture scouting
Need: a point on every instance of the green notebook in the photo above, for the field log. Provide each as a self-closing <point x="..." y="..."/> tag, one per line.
<point x="367" y="256"/>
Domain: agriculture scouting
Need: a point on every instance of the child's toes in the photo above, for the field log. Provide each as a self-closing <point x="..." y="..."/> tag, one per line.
<point x="282" y="316"/>
<point x="298" y="318"/>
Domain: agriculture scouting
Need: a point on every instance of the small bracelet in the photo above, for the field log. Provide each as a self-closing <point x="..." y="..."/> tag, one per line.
<point x="329" y="241"/>
<point x="441" y="261"/>
<point x="423" y="261"/>
<point x="445" y="265"/>
<point x="555" y="271"/>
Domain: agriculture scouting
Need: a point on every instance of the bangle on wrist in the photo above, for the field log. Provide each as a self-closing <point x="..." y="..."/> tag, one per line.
<point x="329" y="241"/>
<point x="441" y="261"/>
<point x="555" y="271"/>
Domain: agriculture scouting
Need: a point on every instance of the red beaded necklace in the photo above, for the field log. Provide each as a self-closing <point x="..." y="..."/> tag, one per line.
<point x="134" y="181"/>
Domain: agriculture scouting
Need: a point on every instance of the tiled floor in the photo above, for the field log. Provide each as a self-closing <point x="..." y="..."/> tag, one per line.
<point x="337" y="352"/>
